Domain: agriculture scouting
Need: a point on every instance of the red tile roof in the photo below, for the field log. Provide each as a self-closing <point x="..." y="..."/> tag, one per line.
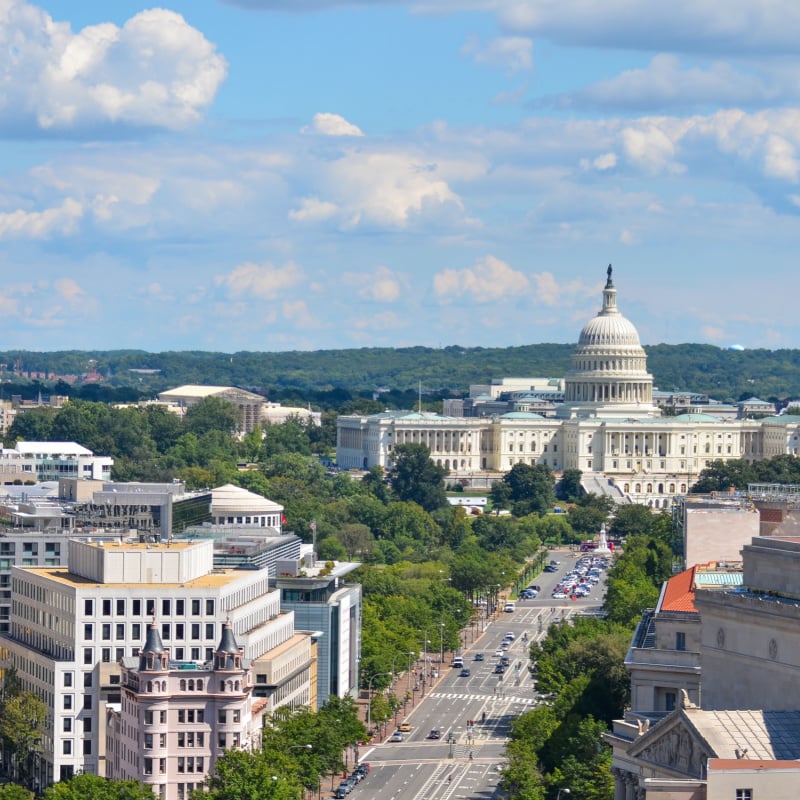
<point x="679" y="592"/>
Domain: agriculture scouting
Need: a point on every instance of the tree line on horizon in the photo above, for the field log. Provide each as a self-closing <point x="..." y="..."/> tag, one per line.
<point x="333" y="379"/>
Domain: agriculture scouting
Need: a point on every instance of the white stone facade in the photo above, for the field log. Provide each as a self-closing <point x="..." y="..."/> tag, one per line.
<point x="608" y="425"/>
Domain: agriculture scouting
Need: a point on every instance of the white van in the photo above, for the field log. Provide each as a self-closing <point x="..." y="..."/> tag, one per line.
<point x="458" y="661"/>
<point x="509" y="608"/>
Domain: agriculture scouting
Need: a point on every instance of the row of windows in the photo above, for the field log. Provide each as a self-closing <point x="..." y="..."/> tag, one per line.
<point x="119" y="607"/>
<point x="118" y="629"/>
<point x="66" y="747"/>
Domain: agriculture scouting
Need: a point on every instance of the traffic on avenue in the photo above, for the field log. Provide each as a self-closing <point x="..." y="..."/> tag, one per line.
<point x="451" y="743"/>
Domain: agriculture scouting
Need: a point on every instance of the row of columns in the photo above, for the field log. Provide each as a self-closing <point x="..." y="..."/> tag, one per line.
<point x="626" y="785"/>
<point x="625" y="392"/>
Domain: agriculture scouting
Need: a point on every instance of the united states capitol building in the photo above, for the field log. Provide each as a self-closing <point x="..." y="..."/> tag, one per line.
<point x="606" y="425"/>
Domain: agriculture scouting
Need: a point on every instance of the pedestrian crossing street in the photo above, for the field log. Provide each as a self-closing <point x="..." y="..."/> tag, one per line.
<point x="525" y="701"/>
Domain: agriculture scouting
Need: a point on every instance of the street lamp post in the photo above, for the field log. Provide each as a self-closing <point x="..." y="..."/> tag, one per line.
<point x="441" y="642"/>
<point x="564" y="791"/>
<point x="369" y="696"/>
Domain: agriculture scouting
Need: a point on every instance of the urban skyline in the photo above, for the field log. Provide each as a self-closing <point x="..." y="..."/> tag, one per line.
<point x="306" y="174"/>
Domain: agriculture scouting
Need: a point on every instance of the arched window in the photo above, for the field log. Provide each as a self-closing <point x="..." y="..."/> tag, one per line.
<point x="672" y="488"/>
<point x="183" y="685"/>
<point x="638" y="488"/>
<point x="191" y="685"/>
<point x="199" y="686"/>
<point x="222" y="686"/>
<point x="149" y="686"/>
<point x="626" y="488"/>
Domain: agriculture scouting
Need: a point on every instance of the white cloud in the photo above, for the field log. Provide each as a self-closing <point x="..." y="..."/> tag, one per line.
<point x="296" y="311"/>
<point x="650" y="148"/>
<point x="262" y="281"/>
<point x="663" y="84"/>
<point x="512" y="53"/>
<point x="154" y="71"/>
<point x="388" y="188"/>
<point x="332" y="125"/>
<point x="312" y="209"/>
<point x="551" y="293"/>
<point x="41" y="224"/>
<point x="736" y="26"/>
<point x="380" y="286"/>
<point x="780" y="159"/>
<point x="489" y="280"/>
<point x="601" y="163"/>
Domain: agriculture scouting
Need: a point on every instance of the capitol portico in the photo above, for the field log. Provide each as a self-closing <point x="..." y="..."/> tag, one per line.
<point x="607" y="427"/>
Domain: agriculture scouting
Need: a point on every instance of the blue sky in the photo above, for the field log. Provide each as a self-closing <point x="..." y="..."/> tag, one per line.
<point x="306" y="174"/>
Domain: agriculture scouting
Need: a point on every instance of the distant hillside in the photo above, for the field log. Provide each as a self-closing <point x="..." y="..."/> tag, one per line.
<point x="341" y="374"/>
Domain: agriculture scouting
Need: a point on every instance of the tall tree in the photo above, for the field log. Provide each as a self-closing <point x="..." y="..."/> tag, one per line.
<point x="416" y="478"/>
<point x="86" y="786"/>
<point x="531" y="488"/>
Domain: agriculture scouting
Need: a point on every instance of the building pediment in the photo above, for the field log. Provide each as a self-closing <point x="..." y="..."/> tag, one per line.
<point x="673" y="747"/>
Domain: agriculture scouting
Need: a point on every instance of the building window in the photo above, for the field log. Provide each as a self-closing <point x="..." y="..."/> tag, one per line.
<point x="195" y="608"/>
<point x="669" y="701"/>
<point x="136" y="631"/>
<point x="87" y="702"/>
<point x="744" y="794"/>
<point x="88" y="608"/>
<point x="166" y="608"/>
<point x="209" y="630"/>
<point x="67" y="702"/>
<point x="148" y="766"/>
<point x="222" y="716"/>
<point x="105" y="631"/>
<point x="165" y="630"/>
<point x="120" y="608"/>
<point x="195" y="630"/>
<point x="88" y="655"/>
<point x="88" y="631"/>
<point x="106" y="608"/>
<point x="150" y="607"/>
<point x="179" y="632"/>
<point x="680" y="640"/>
<point x="136" y="608"/>
<point x="105" y="655"/>
<point x="67" y="679"/>
<point x="120" y="634"/>
<point x="87" y="725"/>
<point x="210" y="607"/>
<point x="67" y="726"/>
<point x="148" y="717"/>
<point x="66" y="747"/>
<point x="87" y="680"/>
<point x="179" y="607"/>
<point x="87" y="747"/>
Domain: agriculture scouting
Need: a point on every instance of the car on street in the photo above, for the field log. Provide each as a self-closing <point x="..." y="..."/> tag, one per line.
<point x="404" y="726"/>
<point x="499" y="669"/>
<point x="510" y="636"/>
<point x="559" y="596"/>
<point x="396" y="737"/>
<point x="435" y="734"/>
<point x="478" y="657"/>
<point x="465" y="673"/>
<point x="498" y="652"/>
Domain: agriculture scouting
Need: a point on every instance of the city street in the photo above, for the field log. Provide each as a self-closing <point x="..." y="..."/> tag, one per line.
<point x="419" y="768"/>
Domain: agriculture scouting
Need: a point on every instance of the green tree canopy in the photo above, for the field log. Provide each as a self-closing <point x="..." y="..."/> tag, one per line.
<point x="416" y="478"/>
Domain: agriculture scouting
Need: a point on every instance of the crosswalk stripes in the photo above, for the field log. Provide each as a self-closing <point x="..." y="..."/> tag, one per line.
<point x="527" y="701"/>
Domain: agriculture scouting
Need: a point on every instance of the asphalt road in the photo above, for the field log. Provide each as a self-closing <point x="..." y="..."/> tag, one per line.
<point x="423" y="769"/>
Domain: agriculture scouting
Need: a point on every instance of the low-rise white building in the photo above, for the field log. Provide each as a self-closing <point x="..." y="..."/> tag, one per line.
<point x="49" y="461"/>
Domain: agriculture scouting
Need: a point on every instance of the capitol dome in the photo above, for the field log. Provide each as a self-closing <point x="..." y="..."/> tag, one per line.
<point x="609" y="366"/>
